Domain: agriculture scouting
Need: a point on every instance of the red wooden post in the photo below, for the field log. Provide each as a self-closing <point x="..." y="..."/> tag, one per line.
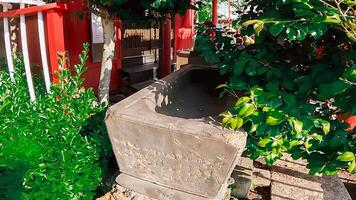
<point x="215" y="12"/>
<point x="166" y="47"/>
<point x="175" y="37"/>
<point x="118" y="42"/>
<point x="55" y="37"/>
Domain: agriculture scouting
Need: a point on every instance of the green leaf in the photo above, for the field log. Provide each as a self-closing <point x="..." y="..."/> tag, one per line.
<point x="350" y="74"/>
<point x="325" y="126"/>
<point x="239" y="66"/>
<point x="276" y="29"/>
<point x="242" y="100"/>
<point x="291" y="33"/>
<point x="264" y="142"/>
<point x="297" y="154"/>
<point x="317" y="137"/>
<point x="258" y="27"/>
<point x="225" y="121"/>
<point x="236" y="123"/>
<point x="246" y="110"/>
<point x="253" y="128"/>
<point x="273" y="85"/>
<point x="302" y="31"/>
<point x="224" y="69"/>
<point x="269" y="160"/>
<point x="304" y="13"/>
<point x="256" y="91"/>
<point x="317" y="30"/>
<point x="294" y="143"/>
<point x="329" y="90"/>
<point x="346" y="157"/>
<point x="275" y="117"/>
<point x="305" y="87"/>
<point x="307" y="145"/>
<point x="303" y="5"/>
<point x="298" y="126"/>
<point x="289" y="99"/>
<point x="352" y="166"/>
<point x="251" y="22"/>
<point x="221" y="86"/>
<point x="251" y="68"/>
<point x="262" y="70"/>
<point x="333" y="19"/>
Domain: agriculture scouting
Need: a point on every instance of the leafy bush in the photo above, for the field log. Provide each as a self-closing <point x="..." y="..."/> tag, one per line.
<point x="140" y="9"/>
<point x="292" y="68"/>
<point x="204" y="12"/>
<point x="49" y="149"/>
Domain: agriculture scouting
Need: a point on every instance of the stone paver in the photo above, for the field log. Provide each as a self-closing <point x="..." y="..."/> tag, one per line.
<point x="121" y="193"/>
<point x="291" y="181"/>
<point x="261" y="178"/>
<point x="350" y="182"/>
<point x="242" y="176"/>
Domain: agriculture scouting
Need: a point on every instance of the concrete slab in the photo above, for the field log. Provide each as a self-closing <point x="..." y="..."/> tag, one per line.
<point x="291" y="181"/>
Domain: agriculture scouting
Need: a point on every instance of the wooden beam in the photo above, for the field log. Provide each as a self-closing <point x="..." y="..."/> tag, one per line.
<point x="26" y="56"/>
<point x="30" y="2"/>
<point x="42" y="8"/>
<point x="166" y="47"/>
<point x="55" y="38"/>
<point x="42" y="39"/>
<point x="7" y="40"/>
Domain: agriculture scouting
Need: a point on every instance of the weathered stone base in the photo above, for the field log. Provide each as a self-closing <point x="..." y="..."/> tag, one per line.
<point x="290" y="180"/>
<point x="159" y="192"/>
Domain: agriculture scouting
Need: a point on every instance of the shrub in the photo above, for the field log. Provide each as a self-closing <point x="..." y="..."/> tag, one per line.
<point x="49" y="148"/>
<point x="292" y="68"/>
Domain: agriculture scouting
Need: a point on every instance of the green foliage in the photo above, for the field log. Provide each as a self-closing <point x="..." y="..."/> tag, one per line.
<point x="140" y="9"/>
<point x="56" y="147"/>
<point x="3" y="63"/>
<point x="204" y="11"/>
<point x="292" y="67"/>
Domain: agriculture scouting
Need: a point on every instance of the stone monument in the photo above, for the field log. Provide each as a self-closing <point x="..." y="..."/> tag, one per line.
<point x="168" y="140"/>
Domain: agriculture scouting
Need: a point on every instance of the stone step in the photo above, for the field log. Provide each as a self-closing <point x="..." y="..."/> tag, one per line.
<point x="141" y="85"/>
<point x="139" y="68"/>
<point x="137" y="60"/>
<point x="261" y="178"/>
<point x="290" y="180"/>
<point x="139" y="73"/>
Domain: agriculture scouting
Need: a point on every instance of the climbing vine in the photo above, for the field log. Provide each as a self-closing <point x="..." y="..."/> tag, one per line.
<point x="292" y="67"/>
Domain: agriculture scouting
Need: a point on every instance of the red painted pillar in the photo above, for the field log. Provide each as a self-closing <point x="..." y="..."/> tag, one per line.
<point x="175" y="37"/>
<point x="55" y="40"/>
<point x="166" y="47"/>
<point x="118" y="42"/>
<point x="215" y="12"/>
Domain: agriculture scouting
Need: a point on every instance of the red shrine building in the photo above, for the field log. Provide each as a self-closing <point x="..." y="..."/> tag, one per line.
<point x="41" y="30"/>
